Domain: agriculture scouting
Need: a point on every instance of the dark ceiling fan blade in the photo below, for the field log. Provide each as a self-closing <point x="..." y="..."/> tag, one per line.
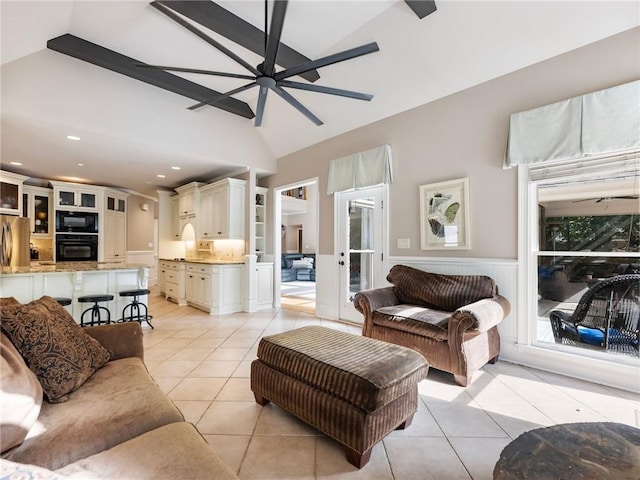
<point x="328" y="60"/>
<point x="262" y="100"/>
<point x="321" y="89"/>
<point x="275" y="32"/>
<point x="214" y="100"/>
<point x="169" y="13"/>
<point x="116" y="62"/>
<point x="605" y="199"/>
<point x="194" y="70"/>
<point x="214" y="17"/>
<point x="297" y="105"/>
<point x="422" y="8"/>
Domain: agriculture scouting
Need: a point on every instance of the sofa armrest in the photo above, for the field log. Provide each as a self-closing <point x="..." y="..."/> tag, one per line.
<point x="370" y="300"/>
<point x="122" y="339"/>
<point x="481" y="315"/>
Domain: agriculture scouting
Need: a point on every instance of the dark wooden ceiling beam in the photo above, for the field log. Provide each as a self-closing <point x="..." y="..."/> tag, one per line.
<point x="103" y="57"/>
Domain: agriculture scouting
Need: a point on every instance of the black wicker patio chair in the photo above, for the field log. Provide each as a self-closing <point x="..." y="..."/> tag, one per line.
<point x="607" y="316"/>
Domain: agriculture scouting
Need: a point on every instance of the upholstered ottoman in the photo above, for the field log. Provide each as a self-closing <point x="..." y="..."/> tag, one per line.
<point x="354" y="389"/>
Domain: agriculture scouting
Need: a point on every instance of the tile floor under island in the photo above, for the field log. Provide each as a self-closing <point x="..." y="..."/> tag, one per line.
<point x="203" y="362"/>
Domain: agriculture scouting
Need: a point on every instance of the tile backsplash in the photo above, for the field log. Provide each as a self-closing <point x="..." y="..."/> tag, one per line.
<point x="217" y="250"/>
<point x="44" y="246"/>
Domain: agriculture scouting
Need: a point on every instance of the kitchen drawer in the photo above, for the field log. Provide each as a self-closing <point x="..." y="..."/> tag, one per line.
<point x="172" y="290"/>
<point x="170" y="265"/>
<point x="171" y="276"/>
<point x="198" y="268"/>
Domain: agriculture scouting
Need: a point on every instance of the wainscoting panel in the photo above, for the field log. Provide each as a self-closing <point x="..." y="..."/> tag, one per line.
<point x="327" y="293"/>
<point x="504" y="272"/>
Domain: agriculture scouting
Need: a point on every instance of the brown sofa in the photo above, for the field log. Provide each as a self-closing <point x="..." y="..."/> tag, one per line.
<point x="117" y="424"/>
<point x="450" y="319"/>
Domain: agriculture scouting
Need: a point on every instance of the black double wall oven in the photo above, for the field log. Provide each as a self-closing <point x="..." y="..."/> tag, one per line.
<point x="76" y="236"/>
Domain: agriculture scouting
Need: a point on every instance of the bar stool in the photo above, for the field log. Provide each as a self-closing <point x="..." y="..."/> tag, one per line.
<point x="96" y="316"/>
<point x="64" y="301"/>
<point x="135" y="308"/>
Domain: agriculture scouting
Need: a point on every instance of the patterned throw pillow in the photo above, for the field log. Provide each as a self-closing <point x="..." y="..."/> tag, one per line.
<point x="54" y="347"/>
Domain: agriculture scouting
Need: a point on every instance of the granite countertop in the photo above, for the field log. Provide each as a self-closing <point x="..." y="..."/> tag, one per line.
<point x="70" y="267"/>
<point x="207" y="261"/>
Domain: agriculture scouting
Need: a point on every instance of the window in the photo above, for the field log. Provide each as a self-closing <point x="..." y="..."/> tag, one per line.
<point x="588" y="230"/>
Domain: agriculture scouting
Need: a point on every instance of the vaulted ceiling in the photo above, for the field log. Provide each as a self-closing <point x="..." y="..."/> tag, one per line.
<point x="132" y="131"/>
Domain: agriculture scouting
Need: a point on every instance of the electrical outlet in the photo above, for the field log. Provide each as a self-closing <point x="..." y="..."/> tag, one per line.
<point x="404" y="243"/>
<point x="204" y="245"/>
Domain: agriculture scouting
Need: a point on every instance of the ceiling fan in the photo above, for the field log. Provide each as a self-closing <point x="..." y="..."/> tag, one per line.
<point x="608" y="199"/>
<point x="265" y="75"/>
<point x="223" y="22"/>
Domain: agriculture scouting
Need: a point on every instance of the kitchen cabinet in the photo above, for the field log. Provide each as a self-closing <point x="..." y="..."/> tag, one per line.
<point x="38" y="208"/>
<point x="161" y="277"/>
<point x="226" y="288"/>
<point x="74" y="196"/>
<point x="174" y="281"/>
<point x="188" y="203"/>
<point x="264" y="282"/>
<point x="114" y="236"/>
<point x="116" y="202"/>
<point x="188" y="198"/>
<point x="205" y="213"/>
<point x="176" y="233"/>
<point x="198" y="285"/>
<point x="214" y="288"/>
<point x="113" y="232"/>
<point x="228" y="208"/>
<point x="11" y="193"/>
<point x="261" y="221"/>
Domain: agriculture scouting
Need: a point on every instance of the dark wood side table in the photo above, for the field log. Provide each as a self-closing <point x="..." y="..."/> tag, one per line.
<point x="590" y="450"/>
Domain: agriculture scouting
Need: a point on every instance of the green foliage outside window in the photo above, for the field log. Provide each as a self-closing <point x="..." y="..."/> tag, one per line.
<point x="608" y="233"/>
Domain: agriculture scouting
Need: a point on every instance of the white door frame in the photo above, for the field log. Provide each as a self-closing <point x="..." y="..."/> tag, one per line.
<point x="378" y="278"/>
<point x="276" y="227"/>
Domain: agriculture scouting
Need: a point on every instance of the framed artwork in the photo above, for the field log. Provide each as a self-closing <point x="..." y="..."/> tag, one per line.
<point x="444" y="215"/>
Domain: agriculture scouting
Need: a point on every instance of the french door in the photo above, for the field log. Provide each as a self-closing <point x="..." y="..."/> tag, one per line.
<point x="360" y="246"/>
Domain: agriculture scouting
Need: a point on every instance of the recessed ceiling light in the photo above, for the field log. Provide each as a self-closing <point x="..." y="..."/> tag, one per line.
<point x="73" y="137"/>
<point x="81" y="164"/>
<point x="16" y="163"/>
<point x="175" y="168"/>
<point x="161" y="176"/>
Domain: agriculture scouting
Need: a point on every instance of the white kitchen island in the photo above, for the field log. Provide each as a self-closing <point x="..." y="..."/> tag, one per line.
<point x="73" y="280"/>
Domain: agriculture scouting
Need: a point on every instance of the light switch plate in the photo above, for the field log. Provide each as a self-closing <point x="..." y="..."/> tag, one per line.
<point x="404" y="243"/>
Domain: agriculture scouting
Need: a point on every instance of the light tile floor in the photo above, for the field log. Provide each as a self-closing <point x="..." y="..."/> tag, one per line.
<point x="203" y="363"/>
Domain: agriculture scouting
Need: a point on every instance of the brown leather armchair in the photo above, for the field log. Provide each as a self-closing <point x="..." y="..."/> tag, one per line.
<point x="450" y="319"/>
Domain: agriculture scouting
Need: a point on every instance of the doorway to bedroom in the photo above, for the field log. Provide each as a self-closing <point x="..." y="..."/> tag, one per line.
<point x="298" y="247"/>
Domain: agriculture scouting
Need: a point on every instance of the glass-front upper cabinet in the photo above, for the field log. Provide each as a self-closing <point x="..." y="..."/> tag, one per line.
<point x="70" y="196"/>
<point x="37" y="206"/>
<point x="76" y="198"/>
<point x="11" y="193"/>
<point x="116" y="204"/>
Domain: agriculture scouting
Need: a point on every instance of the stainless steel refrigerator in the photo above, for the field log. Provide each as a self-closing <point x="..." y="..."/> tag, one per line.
<point x="14" y="241"/>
